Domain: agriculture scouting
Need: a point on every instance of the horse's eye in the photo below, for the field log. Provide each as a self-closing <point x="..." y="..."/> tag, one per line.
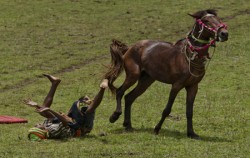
<point x="205" y="21"/>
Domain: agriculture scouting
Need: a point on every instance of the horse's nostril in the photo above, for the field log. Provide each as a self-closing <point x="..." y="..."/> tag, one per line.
<point x="224" y="34"/>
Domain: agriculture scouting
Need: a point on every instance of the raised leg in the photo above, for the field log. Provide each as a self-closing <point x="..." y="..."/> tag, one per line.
<point x="144" y="82"/>
<point x="42" y="110"/>
<point x="49" y="98"/>
<point x="54" y="83"/>
<point x="132" y="75"/>
<point x="191" y="93"/>
<point x="173" y="93"/>
<point x="119" y="94"/>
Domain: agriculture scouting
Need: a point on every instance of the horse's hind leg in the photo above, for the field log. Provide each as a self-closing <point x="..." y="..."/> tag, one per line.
<point x="173" y="93"/>
<point x="144" y="82"/>
<point x="132" y="75"/>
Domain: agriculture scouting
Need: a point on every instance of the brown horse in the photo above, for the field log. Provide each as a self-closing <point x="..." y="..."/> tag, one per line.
<point x="181" y="64"/>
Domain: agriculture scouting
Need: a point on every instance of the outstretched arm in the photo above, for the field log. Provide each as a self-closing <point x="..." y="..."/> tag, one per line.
<point x="38" y="108"/>
<point x="63" y="118"/>
<point x="98" y="98"/>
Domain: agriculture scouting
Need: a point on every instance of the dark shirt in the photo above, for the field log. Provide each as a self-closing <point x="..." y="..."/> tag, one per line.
<point x="81" y="119"/>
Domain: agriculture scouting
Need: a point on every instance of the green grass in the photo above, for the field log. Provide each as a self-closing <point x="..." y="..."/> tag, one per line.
<point x="70" y="39"/>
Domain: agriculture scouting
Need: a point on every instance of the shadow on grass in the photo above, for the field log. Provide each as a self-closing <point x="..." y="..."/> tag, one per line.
<point x="171" y="133"/>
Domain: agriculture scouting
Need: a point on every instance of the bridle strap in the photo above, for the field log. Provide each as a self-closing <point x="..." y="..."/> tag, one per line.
<point x="208" y="43"/>
<point x="200" y="40"/>
<point x="193" y="48"/>
<point x="221" y="25"/>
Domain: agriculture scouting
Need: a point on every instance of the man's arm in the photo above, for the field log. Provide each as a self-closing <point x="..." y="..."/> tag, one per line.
<point x="98" y="98"/>
<point x="64" y="119"/>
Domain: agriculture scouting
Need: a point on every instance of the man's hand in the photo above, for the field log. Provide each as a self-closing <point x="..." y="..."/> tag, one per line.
<point x="30" y="102"/>
<point x="42" y="109"/>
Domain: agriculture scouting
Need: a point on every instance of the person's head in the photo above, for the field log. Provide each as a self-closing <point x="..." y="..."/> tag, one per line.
<point x="85" y="100"/>
<point x="37" y="134"/>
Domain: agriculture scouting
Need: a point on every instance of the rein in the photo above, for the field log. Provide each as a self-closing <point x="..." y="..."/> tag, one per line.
<point x="195" y="65"/>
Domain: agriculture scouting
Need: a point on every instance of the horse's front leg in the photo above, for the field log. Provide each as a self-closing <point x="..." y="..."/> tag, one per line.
<point x="191" y="94"/>
<point x="173" y="93"/>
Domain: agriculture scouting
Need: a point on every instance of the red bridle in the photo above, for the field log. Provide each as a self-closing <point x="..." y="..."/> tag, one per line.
<point x="212" y="42"/>
<point x="215" y="30"/>
<point x="212" y="29"/>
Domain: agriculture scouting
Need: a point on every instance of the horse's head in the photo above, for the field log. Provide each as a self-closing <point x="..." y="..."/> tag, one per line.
<point x="210" y="25"/>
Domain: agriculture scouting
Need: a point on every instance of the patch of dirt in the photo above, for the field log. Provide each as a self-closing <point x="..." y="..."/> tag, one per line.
<point x="71" y="68"/>
<point x="241" y="12"/>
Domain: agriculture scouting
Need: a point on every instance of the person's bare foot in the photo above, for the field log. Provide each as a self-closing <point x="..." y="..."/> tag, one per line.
<point x="30" y="102"/>
<point x="52" y="79"/>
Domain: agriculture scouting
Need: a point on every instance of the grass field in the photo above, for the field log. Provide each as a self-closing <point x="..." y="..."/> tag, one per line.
<point x="70" y="39"/>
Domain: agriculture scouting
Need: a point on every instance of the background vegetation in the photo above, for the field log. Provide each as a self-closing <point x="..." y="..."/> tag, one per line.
<point x="70" y="39"/>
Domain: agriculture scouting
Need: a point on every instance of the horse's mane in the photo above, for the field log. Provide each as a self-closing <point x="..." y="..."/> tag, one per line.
<point x="202" y="13"/>
<point x="179" y="41"/>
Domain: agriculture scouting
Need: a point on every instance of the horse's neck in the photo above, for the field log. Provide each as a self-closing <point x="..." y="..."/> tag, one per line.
<point x="197" y="58"/>
<point x="198" y="39"/>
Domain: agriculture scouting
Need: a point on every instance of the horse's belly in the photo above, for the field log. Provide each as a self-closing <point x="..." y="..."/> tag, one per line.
<point x="164" y="77"/>
<point x="163" y="68"/>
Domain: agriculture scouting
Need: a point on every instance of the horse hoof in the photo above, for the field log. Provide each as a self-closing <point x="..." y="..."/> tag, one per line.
<point x="194" y="136"/>
<point x="114" y="117"/>
<point x="156" y="131"/>
<point x="125" y="124"/>
<point x="129" y="129"/>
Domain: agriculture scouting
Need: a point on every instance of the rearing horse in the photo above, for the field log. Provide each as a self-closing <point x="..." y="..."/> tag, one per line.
<point x="181" y="64"/>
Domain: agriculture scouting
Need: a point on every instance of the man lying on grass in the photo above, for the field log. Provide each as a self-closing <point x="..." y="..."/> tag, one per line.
<point x="78" y="121"/>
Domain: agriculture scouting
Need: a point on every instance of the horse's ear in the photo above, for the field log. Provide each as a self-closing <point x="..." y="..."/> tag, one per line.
<point x="202" y="13"/>
<point x="192" y="15"/>
<point x="212" y="11"/>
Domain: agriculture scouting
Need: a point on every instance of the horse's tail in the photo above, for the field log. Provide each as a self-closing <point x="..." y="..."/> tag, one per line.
<point x="117" y="50"/>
